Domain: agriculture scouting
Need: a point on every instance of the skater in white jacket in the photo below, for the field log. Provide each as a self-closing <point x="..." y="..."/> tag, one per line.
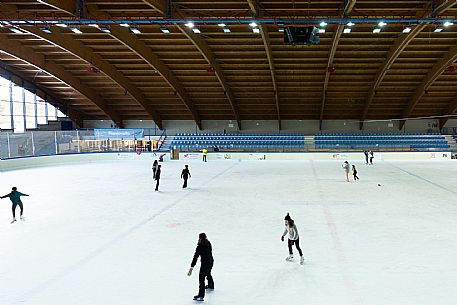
<point x="291" y="228"/>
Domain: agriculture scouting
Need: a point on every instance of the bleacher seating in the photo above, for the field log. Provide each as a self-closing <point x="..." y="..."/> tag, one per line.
<point x="411" y="141"/>
<point x="238" y="141"/>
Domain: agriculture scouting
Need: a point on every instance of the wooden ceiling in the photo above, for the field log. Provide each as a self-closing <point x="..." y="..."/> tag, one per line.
<point x="239" y="75"/>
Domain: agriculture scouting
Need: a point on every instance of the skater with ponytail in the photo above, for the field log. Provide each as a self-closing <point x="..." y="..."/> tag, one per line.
<point x="293" y="238"/>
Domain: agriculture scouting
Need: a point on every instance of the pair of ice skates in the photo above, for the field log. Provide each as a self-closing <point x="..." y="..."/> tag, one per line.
<point x="291" y="258"/>
<point x="22" y="218"/>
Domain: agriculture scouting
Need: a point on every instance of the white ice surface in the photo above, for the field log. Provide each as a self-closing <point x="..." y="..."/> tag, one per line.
<point x="98" y="234"/>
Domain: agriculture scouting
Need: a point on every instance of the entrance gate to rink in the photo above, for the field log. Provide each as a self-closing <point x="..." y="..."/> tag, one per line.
<point x="45" y="143"/>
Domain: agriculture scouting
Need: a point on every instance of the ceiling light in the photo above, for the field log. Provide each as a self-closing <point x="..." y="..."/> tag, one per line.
<point x="438" y="29"/>
<point x="135" y="30"/>
<point x="76" y="31"/>
<point x="347" y="30"/>
<point x="93" y="25"/>
<point x="323" y="24"/>
<point x="125" y="25"/>
<point x="253" y="24"/>
<point x="448" y="23"/>
<point x="46" y="30"/>
<point x="256" y="30"/>
<point x="321" y="31"/>
<point x="382" y="23"/>
<point x="105" y="29"/>
<point x="196" y="30"/>
<point x="350" y="24"/>
<point x="226" y="30"/>
<point x="407" y="29"/>
<point x="190" y="24"/>
<point x="222" y="25"/>
<point x="281" y="27"/>
<point x="377" y="30"/>
<point x="62" y="25"/>
<point x="165" y="30"/>
<point x="16" y="30"/>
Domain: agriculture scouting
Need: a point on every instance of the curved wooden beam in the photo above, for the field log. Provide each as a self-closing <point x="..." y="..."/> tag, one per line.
<point x="349" y="5"/>
<point x="67" y="6"/>
<point x="206" y="52"/>
<point x="254" y="6"/>
<point x="21" y="80"/>
<point x="433" y="74"/>
<point x="38" y="60"/>
<point x="397" y="48"/>
<point x="85" y="53"/>
<point x="158" y="5"/>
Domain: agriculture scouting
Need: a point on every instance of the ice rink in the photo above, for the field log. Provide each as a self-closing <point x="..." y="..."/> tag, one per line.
<point x="98" y="234"/>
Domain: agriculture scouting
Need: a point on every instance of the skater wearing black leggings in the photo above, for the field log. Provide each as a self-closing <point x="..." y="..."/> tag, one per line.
<point x="291" y="228"/>
<point x="15" y="198"/>
<point x="157" y="177"/>
<point x="354" y="173"/>
<point x="204" y="250"/>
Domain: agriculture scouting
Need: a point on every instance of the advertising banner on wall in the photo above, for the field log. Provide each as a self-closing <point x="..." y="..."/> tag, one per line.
<point x="191" y="156"/>
<point x="257" y="157"/>
<point x="118" y="134"/>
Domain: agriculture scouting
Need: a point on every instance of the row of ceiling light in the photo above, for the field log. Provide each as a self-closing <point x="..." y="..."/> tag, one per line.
<point x="196" y="28"/>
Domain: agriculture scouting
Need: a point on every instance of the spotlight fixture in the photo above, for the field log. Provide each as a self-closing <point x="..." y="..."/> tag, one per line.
<point x="377" y="30"/>
<point x="62" y="25"/>
<point x="190" y="25"/>
<point x="350" y="24"/>
<point x="222" y="25"/>
<point x="94" y="25"/>
<point x="165" y="30"/>
<point x="226" y="30"/>
<point x="347" y="30"/>
<point x="135" y="30"/>
<point x="281" y="27"/>
<point x="321" y="31"/>
<point x="253" y="25"/>
<point x="76" y="30"/>
<point x="438" y="29"/>
<point x="125" y="25"/>
<point x="381" y="24"/>
<point x="105" y="29"/>
<point x="448" y="23"/>
<point x="323" y="24"/>
<point x="196" y="30"/>
<point x="256" y="30"/>
<point x="46" y="30"/>
<point x="407" y="29"/>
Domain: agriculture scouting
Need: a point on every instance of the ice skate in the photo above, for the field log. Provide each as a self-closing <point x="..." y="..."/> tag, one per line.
<point x="14" y="220"/>
<point x="208" y="288"/>
<point x="290" y="258"/>
<point x="198" y="298"/>
<point x="302" y="260"/>
<point x="22" y="218"/>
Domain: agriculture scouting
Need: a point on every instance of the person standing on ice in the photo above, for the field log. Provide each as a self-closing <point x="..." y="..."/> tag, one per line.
<point x="205" y="152"/>
<point x="15" y="198"/>
<point x="354" y="172"/>
<point x="204" y="250"/>
<point x="155" y="165"/>
<point x="157" y="177"/>
<point x="345" y="166"/>
<point x="371" y="157"/>
<point x="291" y="228"/>
<point x="366" y="156"/>
<point x="185" y="174"/>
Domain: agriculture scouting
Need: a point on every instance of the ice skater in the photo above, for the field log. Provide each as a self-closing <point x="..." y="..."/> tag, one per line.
<point x="185" y="174"/>
<point x="157" y="177"/>
<point x="371" y="157"/>
<point x="345" y="166"/>
<point x="291" y="228"/>
<point x="365" y="152"/>
<point x="15" y="198"/>
<point x="154" y="169"/>
<point x="354" y="173"/>
<point x="205" y="152"/>
<point x="204" y="250"/>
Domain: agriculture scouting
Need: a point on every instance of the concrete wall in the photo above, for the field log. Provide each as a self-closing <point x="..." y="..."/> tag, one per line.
<point x="308" y="127"/>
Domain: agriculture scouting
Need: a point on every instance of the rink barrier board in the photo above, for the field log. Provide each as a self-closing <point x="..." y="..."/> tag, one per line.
<point x="29" y="162"/>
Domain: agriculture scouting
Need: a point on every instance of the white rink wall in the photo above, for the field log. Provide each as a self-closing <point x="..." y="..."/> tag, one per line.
<point x="22" y="163"/>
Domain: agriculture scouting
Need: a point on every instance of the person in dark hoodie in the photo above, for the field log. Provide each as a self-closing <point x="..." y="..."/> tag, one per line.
<point x="157" y="177"/>
<point x="15" y="198"/>
<point x="204" y="251"/>
<point x="185" y="174"/>
<point x="154" y="169"/>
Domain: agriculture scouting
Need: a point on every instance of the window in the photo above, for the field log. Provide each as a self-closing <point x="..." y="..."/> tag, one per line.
<point x="52" y="113"/>
<point x="18" y="109"/>
<point x="41" y="111"/>
<point x="5" y="104"/>
<point x="30" y="110"/>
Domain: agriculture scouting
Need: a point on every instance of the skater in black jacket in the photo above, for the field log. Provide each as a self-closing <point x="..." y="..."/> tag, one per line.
<point x="154" y="169"/>
<point x="15" y="198"/>
<point x="354" y="172"/>
<point x="185" y="174"/>
<point x="157" y="177"/>
<point x="204" y="250"/>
